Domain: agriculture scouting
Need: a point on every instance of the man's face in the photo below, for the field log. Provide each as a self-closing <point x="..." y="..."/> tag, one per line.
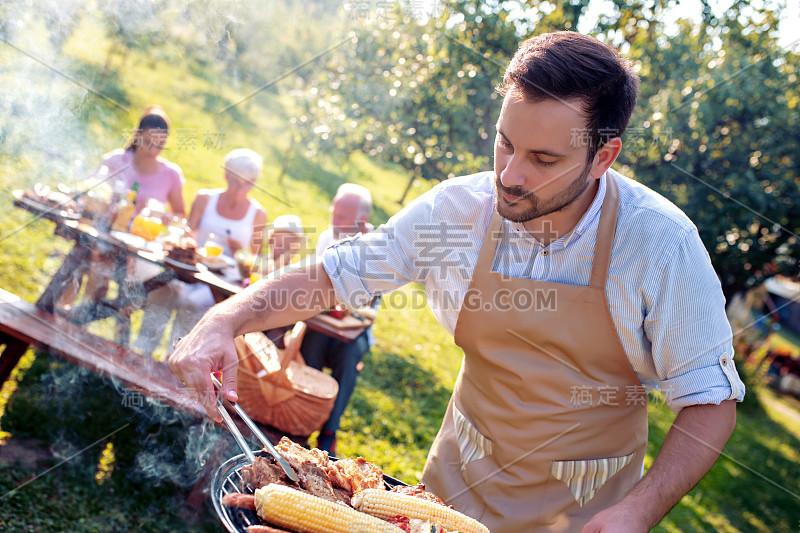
<point x="345" y="213"/>
<point x="539" y="160"/>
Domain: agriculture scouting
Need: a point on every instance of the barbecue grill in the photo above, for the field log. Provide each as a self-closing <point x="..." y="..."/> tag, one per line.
<point x="228" y="479"/>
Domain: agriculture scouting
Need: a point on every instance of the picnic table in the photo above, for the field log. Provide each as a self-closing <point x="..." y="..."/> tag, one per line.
<point x="23" y="325"/>
<point x="132" y="293"/>
<point x="345" y="329"/>
<point x="124" y="249"/>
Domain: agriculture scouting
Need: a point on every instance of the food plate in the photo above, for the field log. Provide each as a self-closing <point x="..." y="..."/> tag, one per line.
<point x="218" y="263"/>
<point x="185" y="266"/>
<point x="128" y="238"/>
<point x="134" y="241"/>
<point x="44" y="208"/>
<point x="228" y="480"/>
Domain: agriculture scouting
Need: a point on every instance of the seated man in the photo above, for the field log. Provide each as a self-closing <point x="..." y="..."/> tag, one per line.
<point x="350" y="212"/>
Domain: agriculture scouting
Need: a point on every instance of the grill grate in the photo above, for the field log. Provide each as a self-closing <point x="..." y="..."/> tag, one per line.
<point x="228" y="480"/>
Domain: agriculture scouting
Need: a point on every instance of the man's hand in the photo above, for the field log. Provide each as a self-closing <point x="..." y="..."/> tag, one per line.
<point x="207" y="348"/>
<point x="300" y="292"/>
<point x="693" y="444"/>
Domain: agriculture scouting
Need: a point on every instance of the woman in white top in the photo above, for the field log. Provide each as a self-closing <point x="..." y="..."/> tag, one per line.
<point x="228" y="213"/>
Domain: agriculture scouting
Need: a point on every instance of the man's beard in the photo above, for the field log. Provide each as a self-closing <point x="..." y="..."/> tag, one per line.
<point x="535" y="206"/>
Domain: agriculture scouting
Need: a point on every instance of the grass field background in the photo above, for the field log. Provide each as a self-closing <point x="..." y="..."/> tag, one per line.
<point x="77" y="456"/>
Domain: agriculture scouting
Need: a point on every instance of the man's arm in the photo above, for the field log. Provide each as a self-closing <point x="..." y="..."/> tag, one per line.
<point x="297" y="294"/>
<point x="693" y="444"/>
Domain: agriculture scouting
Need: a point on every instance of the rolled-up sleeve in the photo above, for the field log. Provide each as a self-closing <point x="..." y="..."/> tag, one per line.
<point x="382" y="260"/>
<point x="689" y="332"/>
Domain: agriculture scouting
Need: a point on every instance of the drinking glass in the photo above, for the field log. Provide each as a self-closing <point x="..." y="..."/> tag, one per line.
<point x="214" y="245"/>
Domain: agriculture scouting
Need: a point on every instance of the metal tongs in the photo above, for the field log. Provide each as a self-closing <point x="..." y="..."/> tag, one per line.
<point x="284" y="464"/>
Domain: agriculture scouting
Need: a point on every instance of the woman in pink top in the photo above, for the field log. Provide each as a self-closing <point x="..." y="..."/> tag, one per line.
<point x="158" y="179"/>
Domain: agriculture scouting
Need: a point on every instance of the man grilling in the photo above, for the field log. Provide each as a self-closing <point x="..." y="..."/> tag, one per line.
<point x="547" y="426"/>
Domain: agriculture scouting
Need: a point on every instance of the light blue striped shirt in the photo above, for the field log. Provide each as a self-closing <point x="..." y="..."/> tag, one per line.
<point x="665" y="298"/>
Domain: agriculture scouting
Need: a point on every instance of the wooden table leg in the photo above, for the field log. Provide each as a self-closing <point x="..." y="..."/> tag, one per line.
<point x="133" y="296"/>
<point x="11" y="355"/>
<point x="70" y="271"/>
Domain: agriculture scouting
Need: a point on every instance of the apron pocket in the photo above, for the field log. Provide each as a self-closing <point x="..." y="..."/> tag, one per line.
<point x="587" y="476"/>
<point x="472" y="444"/>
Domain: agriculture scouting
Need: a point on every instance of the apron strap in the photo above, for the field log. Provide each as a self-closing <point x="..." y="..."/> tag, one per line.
<point x="489" y="245"/>
<point x="606" y="229"/>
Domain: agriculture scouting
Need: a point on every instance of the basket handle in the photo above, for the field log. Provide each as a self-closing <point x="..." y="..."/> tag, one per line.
<point x="292" y="341"/>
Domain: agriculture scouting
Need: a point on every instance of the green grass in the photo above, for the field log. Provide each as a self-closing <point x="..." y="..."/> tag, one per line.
<point x="753" y="486"/>
<point x="138" y="478"/>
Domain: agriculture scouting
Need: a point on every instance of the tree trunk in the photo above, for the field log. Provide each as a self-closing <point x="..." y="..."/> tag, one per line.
<point x="286" y="157"/>
<point x="408" y="188"/>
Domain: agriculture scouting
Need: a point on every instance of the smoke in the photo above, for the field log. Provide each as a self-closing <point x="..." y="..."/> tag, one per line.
<point x="65" y="102"/>
<point x="162" y="459"/>
<point x="157" y="444"/>
<point x="41" y="129"/>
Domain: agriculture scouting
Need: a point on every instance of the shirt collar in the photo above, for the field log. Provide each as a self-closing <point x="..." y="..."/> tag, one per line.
<point x="592" y="213"/>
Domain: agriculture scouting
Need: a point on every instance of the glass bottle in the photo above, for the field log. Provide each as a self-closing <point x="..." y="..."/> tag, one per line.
<point x="126" y="210"/>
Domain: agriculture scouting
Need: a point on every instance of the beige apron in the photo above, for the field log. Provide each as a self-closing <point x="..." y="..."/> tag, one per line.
<point x="548" y="422"/>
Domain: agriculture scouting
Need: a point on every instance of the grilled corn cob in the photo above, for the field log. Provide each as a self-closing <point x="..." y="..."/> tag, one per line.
<point x="305" y="513"/>
<point x="386" y="504"/>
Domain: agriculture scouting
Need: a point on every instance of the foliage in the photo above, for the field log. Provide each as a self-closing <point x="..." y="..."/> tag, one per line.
<point x="214" y="57"/>
<point x="714" y="132"/>
<point x="414" y="92"/>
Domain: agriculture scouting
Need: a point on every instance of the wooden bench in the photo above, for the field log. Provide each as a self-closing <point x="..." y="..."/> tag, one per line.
<point x="23" y="325"/>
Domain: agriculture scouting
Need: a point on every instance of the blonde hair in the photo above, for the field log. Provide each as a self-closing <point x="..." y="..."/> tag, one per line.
<point x="243" y="163"/>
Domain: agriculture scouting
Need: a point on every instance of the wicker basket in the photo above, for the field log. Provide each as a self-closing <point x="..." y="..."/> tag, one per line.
<point x="277" y="388"/>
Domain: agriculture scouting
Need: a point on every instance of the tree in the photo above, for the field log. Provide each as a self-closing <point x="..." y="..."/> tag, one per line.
<point x="415" y="92"/>
<point x="714" y="132"/>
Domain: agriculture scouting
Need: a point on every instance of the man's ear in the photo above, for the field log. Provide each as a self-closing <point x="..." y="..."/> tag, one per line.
<point x="605" y="157"/>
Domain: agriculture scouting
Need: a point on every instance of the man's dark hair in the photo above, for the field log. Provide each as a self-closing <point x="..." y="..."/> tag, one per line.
<point x="566" y="65"/>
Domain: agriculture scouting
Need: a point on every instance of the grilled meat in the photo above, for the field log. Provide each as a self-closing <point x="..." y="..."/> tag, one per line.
<point x="418" y="491"/>
<point x="355" y="475"/>
<point x="243" y="501"/>
<point x="342" y="495"/>
<point x="312" y="475"/>
<point x="263" y="472"/>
